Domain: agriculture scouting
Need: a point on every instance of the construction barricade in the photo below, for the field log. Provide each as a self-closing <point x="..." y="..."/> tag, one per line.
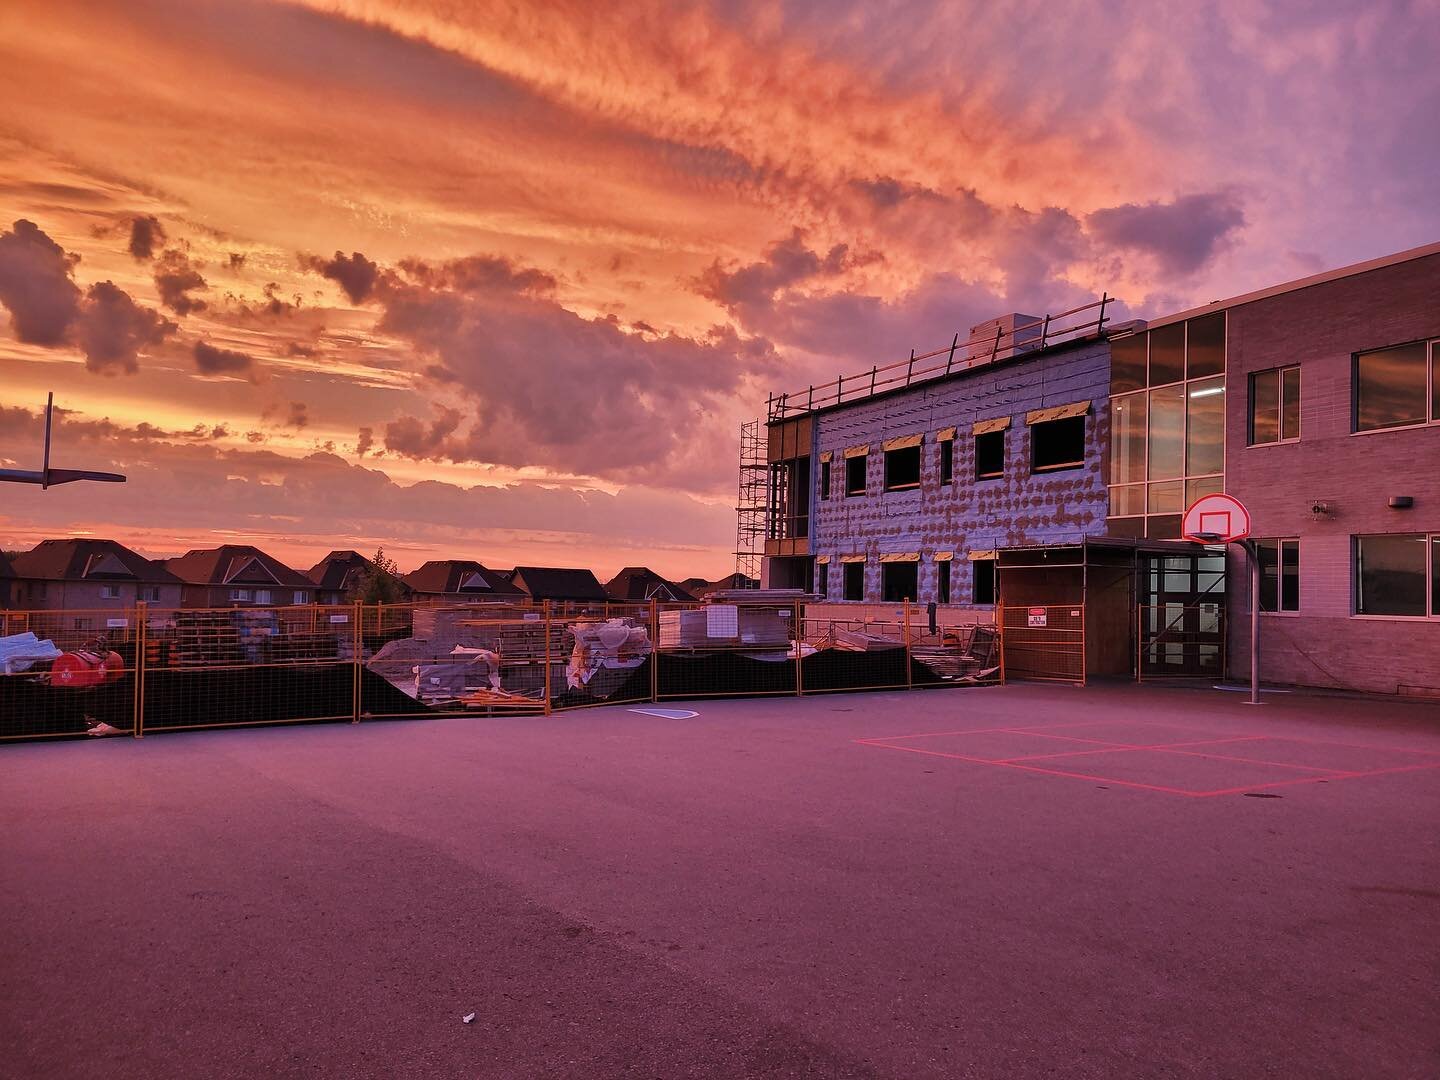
<point x="143" y="670"/>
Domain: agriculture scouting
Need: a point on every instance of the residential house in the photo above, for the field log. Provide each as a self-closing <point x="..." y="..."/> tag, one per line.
<point x="637" y="584"/>
<point x="700" y="588"/>
<point x="341" y="573"/>
<point x="560" y="584"/>
<point x="460" y="580"/>
<point x="238" y="575"/>
<point x="89" y="575"/>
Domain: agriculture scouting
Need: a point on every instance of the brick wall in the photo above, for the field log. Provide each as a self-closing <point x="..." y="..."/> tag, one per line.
<point x="966" y="515"/>
<point x="1320" y="328"/>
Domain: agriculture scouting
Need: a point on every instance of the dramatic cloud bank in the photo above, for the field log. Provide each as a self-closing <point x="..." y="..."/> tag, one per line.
<point x="574" y="245"/>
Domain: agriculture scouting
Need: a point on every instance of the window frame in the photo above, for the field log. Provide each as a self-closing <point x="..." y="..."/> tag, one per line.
<point x="1430" y="590"/>
<point x="825" y="480"/>
<point x="947" y="462"/>
<point x="1279" y="544"/>
<point x="109" y="591"/>
<point x="942" y="581"/>
<point x="822" y="580"/>
<point x="1279" y="374"/>
<point x="845" y="582"/>
<point x="1431" y="363"/>
<point x="238" y="595"/>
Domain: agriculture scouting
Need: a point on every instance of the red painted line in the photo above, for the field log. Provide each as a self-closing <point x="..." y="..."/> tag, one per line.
<point x="1355" y="746"/>
<point x="1035" y="769"/>
<point x="1074" y="738"/>
<point x="1131" y="749"/>
<point x="1247" y="760"/>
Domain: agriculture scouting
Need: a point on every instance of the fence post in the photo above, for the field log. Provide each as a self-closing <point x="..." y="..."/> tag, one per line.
<point x="654" y="650"/>
<point x="1139" y="643"/>
<point x="549" y="620"/>
<point x="138" y="728"/>
<point x="799" y="625"/>
<point x="1083" y="658"/>
<point x="357" y="619"/>
<point x="909" y="676"/>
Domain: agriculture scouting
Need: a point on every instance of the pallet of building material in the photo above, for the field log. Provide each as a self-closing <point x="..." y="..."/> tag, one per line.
<point x="205" y="637"/>
<point x="487" y="697"/>
<point x="529" y="641"/>
<point x="860" y="641"/>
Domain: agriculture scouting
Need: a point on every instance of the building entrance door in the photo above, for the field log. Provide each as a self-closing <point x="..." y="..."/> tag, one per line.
<point x="1181" y="616"/>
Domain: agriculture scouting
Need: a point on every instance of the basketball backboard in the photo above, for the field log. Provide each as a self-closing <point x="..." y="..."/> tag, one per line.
<point x="1216" y="519"/>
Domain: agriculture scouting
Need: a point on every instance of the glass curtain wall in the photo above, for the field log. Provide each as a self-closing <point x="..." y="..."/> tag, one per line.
<point x="1167" y="424"/>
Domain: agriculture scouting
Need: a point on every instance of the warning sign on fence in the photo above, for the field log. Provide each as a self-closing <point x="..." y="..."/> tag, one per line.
<point x="1036" y="616"/>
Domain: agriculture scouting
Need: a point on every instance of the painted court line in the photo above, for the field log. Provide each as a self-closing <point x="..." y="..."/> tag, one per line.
<point x="1320" y="775"/>
<point x="1127" y="749"/>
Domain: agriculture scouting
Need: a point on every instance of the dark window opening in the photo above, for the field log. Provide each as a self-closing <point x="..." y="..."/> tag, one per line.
<point x="854" y="581"/>
<point x="982" y="581"/>
<point x="855" y="475"/>
<point x="899" y="581"/>
<point x="789" y="499"/>
<point x="902" y="468"/>
<point x="824" y="481"/>
<point x="822" y="580"/>
<point x="989" y="455"/>
<point x="1279" y="574"/>
<point x="1057" y="444"/>
<point x="947" y="461"/>
<point x="942" y="582"/>
<point x="1390" y="388"/>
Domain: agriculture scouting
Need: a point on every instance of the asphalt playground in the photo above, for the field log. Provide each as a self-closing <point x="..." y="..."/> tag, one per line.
<point x="1019" y="881"/>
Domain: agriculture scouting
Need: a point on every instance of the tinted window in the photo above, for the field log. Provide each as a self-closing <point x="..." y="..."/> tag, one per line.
<point x="1205" y="427"/>
<point x="1390" y="575"/>
<point x="1127" y="363"/>
<point x="1167" y="354"/>
<point x="1127" y="439"/>
<point x="1205" y="346"/>
<point x="1390" y="388"/>
<point x="1279" y="574"/>
<point x="1166" y="455"/>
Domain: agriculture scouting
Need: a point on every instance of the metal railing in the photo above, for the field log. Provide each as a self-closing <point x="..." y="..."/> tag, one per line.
<point x="1042" y="333"/>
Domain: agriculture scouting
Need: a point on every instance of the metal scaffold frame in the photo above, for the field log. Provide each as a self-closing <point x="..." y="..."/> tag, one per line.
<point x="752" y="502"/>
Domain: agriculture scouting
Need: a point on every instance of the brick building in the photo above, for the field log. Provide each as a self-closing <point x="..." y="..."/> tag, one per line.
<point x="89" y="576"/>
<point x="977" y="478"/>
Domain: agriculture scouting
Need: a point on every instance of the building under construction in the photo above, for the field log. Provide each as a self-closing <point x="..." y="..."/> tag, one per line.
<point x="1038" y="468"/>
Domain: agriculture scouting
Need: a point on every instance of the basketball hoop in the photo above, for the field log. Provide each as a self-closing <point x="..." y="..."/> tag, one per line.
<point x="1216" y="519"/>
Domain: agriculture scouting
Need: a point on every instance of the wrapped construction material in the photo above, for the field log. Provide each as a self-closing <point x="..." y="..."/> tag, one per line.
<point x="21" y="652"/>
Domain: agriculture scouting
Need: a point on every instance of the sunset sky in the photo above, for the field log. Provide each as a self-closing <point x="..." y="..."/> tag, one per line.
<point x="500" y="281"/>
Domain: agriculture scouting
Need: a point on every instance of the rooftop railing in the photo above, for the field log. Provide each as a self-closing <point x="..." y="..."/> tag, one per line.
<point x="1084" y="321"/>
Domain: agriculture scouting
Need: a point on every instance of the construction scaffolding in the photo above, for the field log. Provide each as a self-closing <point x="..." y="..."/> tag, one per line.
<point x="751" y="505"/>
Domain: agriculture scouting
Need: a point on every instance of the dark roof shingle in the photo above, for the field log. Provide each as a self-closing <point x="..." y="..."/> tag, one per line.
<point x="239" y="564"/>
<point x="98" y="560"/>
<point x="558" y="583"/>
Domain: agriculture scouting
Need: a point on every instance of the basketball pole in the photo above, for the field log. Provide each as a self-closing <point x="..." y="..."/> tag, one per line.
<point x="1252" y="550"/>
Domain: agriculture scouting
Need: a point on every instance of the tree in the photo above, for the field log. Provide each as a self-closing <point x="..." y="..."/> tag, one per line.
<point x="379" y="582"/>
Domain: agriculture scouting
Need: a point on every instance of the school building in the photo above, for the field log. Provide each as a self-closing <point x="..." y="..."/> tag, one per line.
<point x="1045" y="463"/>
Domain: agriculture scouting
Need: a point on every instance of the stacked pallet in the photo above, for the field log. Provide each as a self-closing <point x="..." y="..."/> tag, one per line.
<point x="205" y="637"/>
